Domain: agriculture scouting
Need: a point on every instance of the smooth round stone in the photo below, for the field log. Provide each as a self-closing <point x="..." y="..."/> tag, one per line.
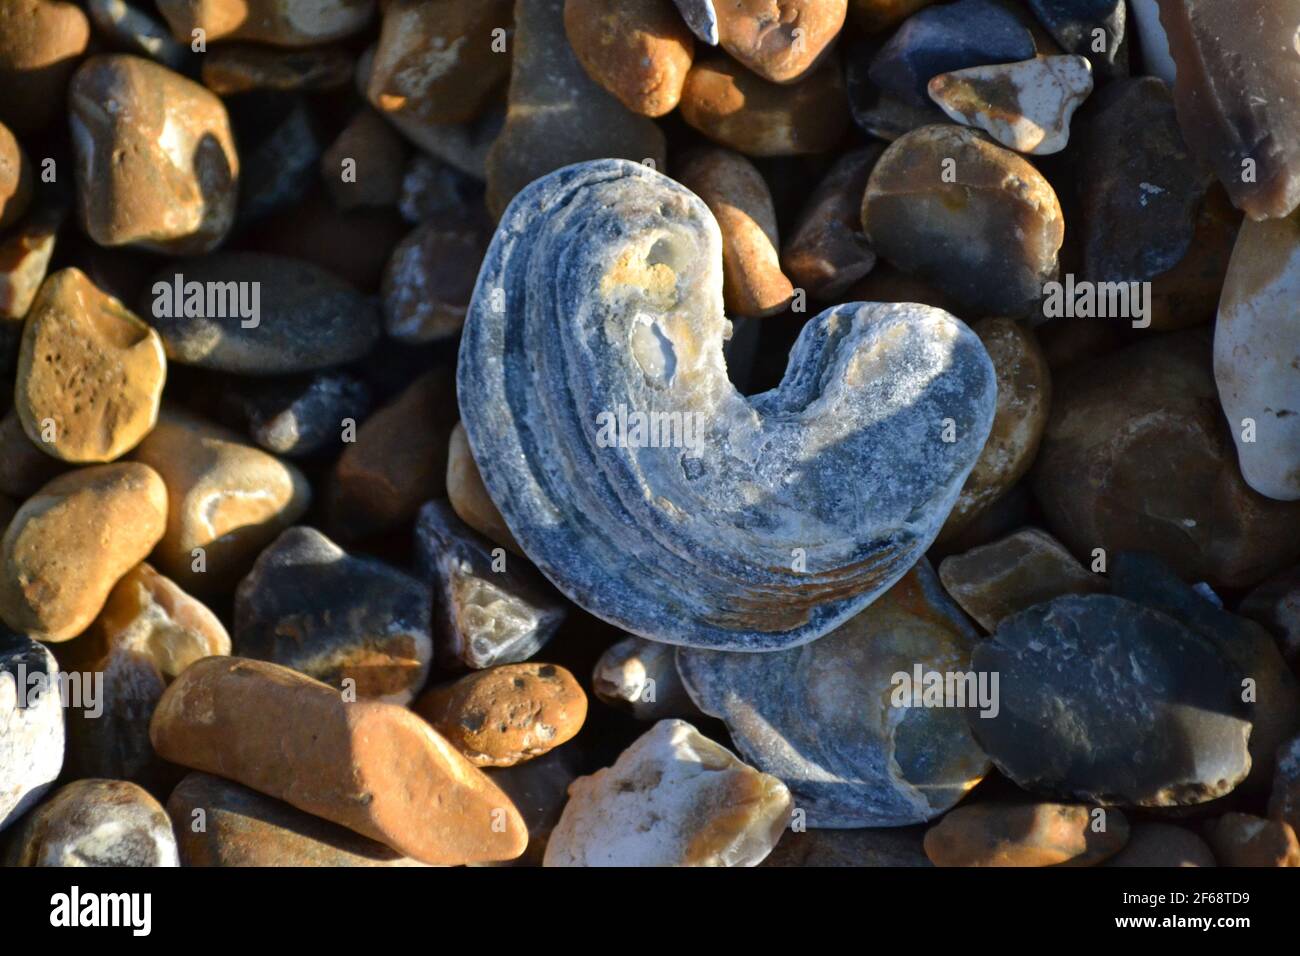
<point x="638" y="50"/>
<point x="297" y="417"/>
<point x="740" y="110"/>
<point x="1145" y="425"/>
<point x="23" y="466"/>
<point x="1276" y="605"/>
<point x="856" y="848"/>
<point x="306" y="318"/>
<point x="1273" y="707"/>
<point x="558" y="115"/>
<point x="350" y="622"/>
<point x="1239" y="839"/>
<point x="90" y="373"/>
<point x="228" y="500"/>
<point x="397" y="462"/>
<point x="1142" y="188"/>
<point x="380" y="155"/>
<point x="439" y="62"/>
<point x="31" y="724"/>
<point x="505" y="715"/>
<point x="1026" y="834"/>
<point x="429" y="188"/>
<point x="156" y="164"/>
<point x="1075" y="25"/>
<point x="278" y="22"/>
<point x="1024" y="401"/>
<point x="1284" y="801"/>
<point x="131" y="28"/>
<point x="220" y="823"/>
<point x="1025" y="106"/>
<point x="944" y="38"/>
<point x="1257" y="354"/>
<point x="780" y="40"/>
<point x="877" y="15"/>
<point x="878" y="112"/>
<point x="773" y="523"/>
<point x="1237" y="72"/>
<point x="673" y="798"/>
<point x="25" y="254"/>
<point x="492" y="608"/>
<point x="1012" y="574"/>
<point x="95" y="823"/>
<point x="641" y="678"/>
<point x="235" y="68"/>
<point x="827" y="252"/>
<point x="15" y="179"/>
<point x="430" y="278"/>
<point x="468" y="496"/>
<point x="1163" y="845"/>
<point x="71" y="542"/>
<point x="735" y="192"/>
<point x="375" y="768"/>
<point x="803" y="715"/>
<point x="148" y="632"/>
<point x="1103" y="699"/>
<point x="973" y="219"/>
<point x="540" y="789"/>
<point x="40" y="44"/>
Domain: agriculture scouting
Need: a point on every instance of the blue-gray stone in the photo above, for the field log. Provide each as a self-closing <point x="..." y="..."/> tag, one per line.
<point x="1091" y="28"/>
<point x="944" y="38"/>
<point x="701" y="17"/>
<point x="734" y="523"/>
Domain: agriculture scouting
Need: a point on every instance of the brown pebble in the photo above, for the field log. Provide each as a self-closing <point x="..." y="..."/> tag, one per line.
<point x="780" y="40"/>
<point x="378" y="164"/>
<point x="156" y="164"/>
<point x="827" y="251"/>
<point x="109" y="823"/>
<point x="430" y="277"/>
<point x="242" y="68"/>
<point x="1024" y="400"/>
<point x="90" y="373"/>
<point x="1026" y="834"/>
<point x="398" y="461"/>
<point x="375" y="768"/>
<point x="1188" y="294"/>
<point x="24" y="258"/>
<point x="15" y="179"/>
<point x="278" y="22"/>
<point x="638" y="50"/>
<point x="40" y="44"/>
<point x="735" y="192"/>
<point x="505" y="715"/>
<point x="228" y="500"/>
<point x="469" y="496"/>
<point x="1239" y="839"/>
<point x="736" y="108"/>
<point x="1163" y="845"/>
<point x="71" y="542"/>
<point x="23" y="466"/>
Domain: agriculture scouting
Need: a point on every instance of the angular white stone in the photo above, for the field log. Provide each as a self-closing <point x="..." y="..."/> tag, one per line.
<point x="673" y="798"/>
<point x="31" y="726"/>
<point x="1025" y="106"/>
<point x="641" y="676"/>
<point x="1257" y="354"/>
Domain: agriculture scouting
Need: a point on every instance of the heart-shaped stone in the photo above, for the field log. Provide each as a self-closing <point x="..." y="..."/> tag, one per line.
<point x="596" y="401"/>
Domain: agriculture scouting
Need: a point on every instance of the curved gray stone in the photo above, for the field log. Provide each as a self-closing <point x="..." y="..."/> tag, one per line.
<point x="783" y="514"/>
<point x="822" y="717"/>
<point x="31" y="724"/>
<point x="1107" y="701"/>
<point x="701" y="17"/>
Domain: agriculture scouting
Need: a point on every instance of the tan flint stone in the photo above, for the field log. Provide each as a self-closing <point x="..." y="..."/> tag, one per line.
<point x="227" y="498"/>
<point x="1026" y="834"/>
<point x="673" y="798"/>
<point x="1023" y="404"/>
<point x="40" y="43"/>
<point x="15" y="179"/>
<point x="241" y="68"/>
<point x="438" y="61"/>
<point x="24" y="257"/>
<point x="469" y="496"/>
<point x="156" y="163"/>
<point x="398" y="462"/>
<point x="780" y="40"/>
<point x="736" y="108"/>
<point x="1239" y="839"/>
<point x="71" y="542"/>
<point x="1023" y="569"/>
<point x="90" y="374"/>
<point x="278" y="22"/>
<point x="827" y="252"/>
<point x="639" y="50"/>
<point x="375" y="768"/>
<point x="505" y="715"/>
<point x="753" y="283"/>
<point x="150" y="616"/>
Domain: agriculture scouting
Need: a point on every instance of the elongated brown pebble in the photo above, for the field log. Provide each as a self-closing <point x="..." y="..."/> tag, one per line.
<point x="375" y="768"/>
